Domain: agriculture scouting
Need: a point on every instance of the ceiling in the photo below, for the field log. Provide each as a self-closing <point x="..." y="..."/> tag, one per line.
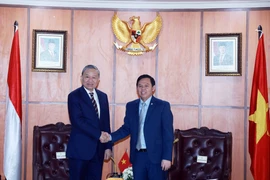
<point x="142" y="4"/>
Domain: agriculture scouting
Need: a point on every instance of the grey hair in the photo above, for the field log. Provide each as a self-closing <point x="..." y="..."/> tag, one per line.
<point x="90" y="66"/>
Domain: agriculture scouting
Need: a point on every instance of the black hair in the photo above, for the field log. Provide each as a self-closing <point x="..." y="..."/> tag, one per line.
<point x="146" y="76"/>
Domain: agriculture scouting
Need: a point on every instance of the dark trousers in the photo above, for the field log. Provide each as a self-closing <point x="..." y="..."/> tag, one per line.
<point x="144" y="169"/>
<point x="85" y="169"/>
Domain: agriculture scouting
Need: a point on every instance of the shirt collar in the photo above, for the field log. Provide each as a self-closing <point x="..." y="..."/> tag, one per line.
<point x="94" y="91"/>
<point x="147" y="102"/>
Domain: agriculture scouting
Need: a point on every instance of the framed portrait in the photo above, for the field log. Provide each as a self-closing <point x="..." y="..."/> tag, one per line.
<point x="49" y="51"/>
<point x="223" y="54"/>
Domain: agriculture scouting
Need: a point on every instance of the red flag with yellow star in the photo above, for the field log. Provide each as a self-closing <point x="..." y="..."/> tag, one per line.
<point x="124" y="162"/>
<point x="259" y="125"/>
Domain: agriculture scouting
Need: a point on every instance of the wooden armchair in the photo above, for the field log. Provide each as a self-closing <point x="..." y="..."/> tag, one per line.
<point x="49" y="147"/>
<point x="202" y="154"/>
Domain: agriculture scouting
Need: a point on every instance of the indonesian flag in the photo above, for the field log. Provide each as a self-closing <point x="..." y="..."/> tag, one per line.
<point x="13" y="143"/>
<point x="124" y="162"/>
<point x="259" y="125"/>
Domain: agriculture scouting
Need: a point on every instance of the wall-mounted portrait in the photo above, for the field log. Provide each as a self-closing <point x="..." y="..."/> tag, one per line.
<point x="49" y="51"/>
<point x="223" y="54"/>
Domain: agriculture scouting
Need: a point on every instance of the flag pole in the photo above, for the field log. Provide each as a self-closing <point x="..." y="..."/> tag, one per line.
<point x="12" y="140"/>
<point x="259" y="31"/>
<point x="259" y="116"/>
<point x="15" y="26"/>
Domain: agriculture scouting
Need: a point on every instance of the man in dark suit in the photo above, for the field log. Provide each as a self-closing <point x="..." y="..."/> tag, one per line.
<point x="223" y="58"/>
<point x="88" y="110"/>
<point x="50" y="54"/>
<point x="149" y="122"/>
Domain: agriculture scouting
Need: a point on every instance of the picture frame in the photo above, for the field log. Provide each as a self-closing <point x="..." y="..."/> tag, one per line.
<point x="223" y="54"/>
<point x="49" y="51"/>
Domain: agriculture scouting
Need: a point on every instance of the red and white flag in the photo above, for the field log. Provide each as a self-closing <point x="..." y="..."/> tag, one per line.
<point x="259" y="124"/>
<point x="13" y="123"/>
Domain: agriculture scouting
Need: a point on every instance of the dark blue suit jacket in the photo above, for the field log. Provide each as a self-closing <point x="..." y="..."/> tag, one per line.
<point x="86" y="127"/>
<point x="158" y="129"/>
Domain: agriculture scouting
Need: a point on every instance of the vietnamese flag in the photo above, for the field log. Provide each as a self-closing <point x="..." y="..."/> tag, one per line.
<point x="13" y="142"/>
<point x="124" y="162"/>
<point x="259" y="125"/>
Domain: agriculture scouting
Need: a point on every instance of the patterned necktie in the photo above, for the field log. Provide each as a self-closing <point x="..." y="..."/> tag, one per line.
<point x="141" y="139"/>
<point x="94" y="102"/>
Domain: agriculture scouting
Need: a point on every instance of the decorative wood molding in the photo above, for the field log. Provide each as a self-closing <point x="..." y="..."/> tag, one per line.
<point x="147" y="4"/>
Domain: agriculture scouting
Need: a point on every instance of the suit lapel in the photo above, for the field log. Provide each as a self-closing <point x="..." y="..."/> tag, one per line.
<point x="100" y="100"/>
<point x="85" y="97"/>
<point x="87" y="100"/>
<point x="151" y="107"/>
<point x="137" y="109"/>
<point x="136" y="114"/>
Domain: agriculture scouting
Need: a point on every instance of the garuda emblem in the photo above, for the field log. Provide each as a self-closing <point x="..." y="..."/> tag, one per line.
<point x="134" y="35"/>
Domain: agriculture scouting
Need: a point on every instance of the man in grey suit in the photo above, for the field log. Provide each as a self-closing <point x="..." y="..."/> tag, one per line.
<point x="149" y="122"/>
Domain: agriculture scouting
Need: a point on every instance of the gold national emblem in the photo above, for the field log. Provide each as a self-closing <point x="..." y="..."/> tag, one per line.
<point x="134" y="36"/>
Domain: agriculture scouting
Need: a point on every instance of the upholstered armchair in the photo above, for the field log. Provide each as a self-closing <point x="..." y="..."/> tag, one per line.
<point x="201" y="154"/>
<point x="49" y="147"/>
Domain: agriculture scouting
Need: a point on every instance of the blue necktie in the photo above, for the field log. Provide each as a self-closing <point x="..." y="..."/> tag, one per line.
<point x="141" y="139"/>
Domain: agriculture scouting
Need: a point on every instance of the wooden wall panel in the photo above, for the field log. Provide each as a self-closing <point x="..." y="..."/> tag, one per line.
<point x="128" y="68"/>
<point x="185" y="117"/>
<point x="229" y="120"/>
<point x="92" y="44"/>
<point x="48" y="86"/>
<point x="226" y="90"/>
<point x="179" y="58"/>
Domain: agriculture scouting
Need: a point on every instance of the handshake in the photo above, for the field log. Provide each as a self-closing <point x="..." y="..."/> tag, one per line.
<point x="105" y="137"/>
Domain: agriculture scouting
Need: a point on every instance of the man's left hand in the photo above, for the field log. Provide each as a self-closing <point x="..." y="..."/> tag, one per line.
<point x="165" y="164"/>
<point x="107" y="154"/>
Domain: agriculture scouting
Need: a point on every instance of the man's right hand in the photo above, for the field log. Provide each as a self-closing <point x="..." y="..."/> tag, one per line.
<point x="105" y="137"/>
